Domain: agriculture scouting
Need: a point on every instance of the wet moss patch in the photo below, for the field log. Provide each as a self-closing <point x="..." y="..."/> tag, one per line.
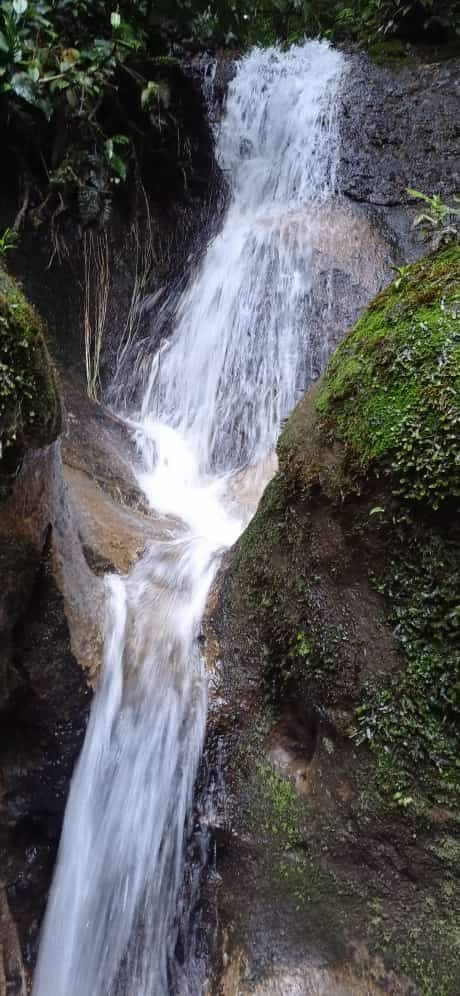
<point x="367" y="498"/>
<point x="391" y="392"/>
<point x="412" y="723"/>
<point x="342" y="598"/>
<point x="30" y="410"/>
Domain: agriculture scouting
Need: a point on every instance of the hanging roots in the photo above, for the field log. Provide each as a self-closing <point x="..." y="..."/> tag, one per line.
<point x="96" y="256"/>
<point x="143" y="250"/>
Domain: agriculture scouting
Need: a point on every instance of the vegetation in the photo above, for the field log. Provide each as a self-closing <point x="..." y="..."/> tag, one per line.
<point x="8" y="241"/>
<point x="364" y="21"/>
<point x="279" y="811"/>
<point x="413" y="419"/>
<point x="412" y="723"/>
<point x="81" y="81"/>
<point x="63" y="66"/>
<point x="437" y="215"/>
<point x="392" y="395"/>
<point x="81" y="85"/>
<point x="370" y="467"/>
<point x="30" y="413"/>
<point x="391" y="389"/>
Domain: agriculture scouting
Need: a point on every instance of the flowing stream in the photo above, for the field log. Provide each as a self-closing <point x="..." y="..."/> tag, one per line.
<point x="217" y="392"/>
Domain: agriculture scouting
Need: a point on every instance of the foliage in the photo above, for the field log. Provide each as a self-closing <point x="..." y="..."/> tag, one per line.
<point x="63" y="67"/>
<point x="440" y="214"/>
<point x="49" y="83"/>
<point x="8" y="241"/>
<point x="362" y="20"/>
<point x="280" y="810"/>
<point x="374" y="446"/>
<point x="391" y="393"/>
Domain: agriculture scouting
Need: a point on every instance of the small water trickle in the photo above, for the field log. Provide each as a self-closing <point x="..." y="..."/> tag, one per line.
<point x="213" y="403"/>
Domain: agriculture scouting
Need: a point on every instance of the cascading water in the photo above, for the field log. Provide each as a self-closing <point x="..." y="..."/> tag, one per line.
<point x="230" y="373"/>
<point x="213" y="406"/>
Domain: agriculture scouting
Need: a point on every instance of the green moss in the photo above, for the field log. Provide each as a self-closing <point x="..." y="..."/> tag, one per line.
<point x="426" y="949"/>
<point x="412" y="723"/>
<point x="30" y="412"/>
<point x="391" y="392"/>
<point x="279" y="809"/>
<point x="379" y="431"/>
<point x="390" y="52"/>
<point x="331" y="906"/>
<point x="166" y="60"/>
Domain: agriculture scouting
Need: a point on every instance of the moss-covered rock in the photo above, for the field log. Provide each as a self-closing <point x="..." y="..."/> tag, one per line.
<point x="30" y="409"/>
<point x="370" y="478"/>
<point x="338" y="616"/>
<point x="392" y="389"/>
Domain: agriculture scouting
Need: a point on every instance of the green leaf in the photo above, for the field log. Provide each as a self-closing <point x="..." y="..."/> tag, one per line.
<point x="375" y="510"/>
<point x="24" y="87"/>
<point x="418" y="194"/>
<point x="150" y="93"/>
<point x="34" y="71"/>
<point x="425" y="219"/>
<point x="115" y="20"/>
<point x="4" y="47"/>
<point x="118" y="167"/>
<point x="155" y="93"/>
<point x="20" y="7"/>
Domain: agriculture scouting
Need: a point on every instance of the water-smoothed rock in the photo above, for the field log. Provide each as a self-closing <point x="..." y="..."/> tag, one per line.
<point x="334" y="636"/>
<point x="30" y="413"/>
<point x="43" y="695"/>
<point x="61" y="526"/>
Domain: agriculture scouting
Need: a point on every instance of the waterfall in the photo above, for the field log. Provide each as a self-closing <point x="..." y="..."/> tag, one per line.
<point x="216" y="395"/>
<point x="232" y="368"/>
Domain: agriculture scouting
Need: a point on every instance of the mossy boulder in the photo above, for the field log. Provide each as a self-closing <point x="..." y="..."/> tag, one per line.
<point x="30" y="408"/>
<point x="337" y="621"/>
<point x="392" y="389"/>
<point x="374" y="453"/>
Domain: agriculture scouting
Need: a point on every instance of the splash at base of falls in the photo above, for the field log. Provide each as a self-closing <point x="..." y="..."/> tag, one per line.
<point x="212" y="410"/>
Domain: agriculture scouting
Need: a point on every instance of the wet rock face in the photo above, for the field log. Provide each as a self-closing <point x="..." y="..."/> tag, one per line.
<point x="296" y="891"/>
<point x="74" y="510"/>
<point x="62" y="527"/>
<point x="44" y="702"/>
<point x="399" y="128"/>
<point x="43" y="727"/>
<point x="323" y="868"/>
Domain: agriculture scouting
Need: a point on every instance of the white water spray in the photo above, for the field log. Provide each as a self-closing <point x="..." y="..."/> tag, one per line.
<point x="213" y="405"/>
<point x="240" y="348"/>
